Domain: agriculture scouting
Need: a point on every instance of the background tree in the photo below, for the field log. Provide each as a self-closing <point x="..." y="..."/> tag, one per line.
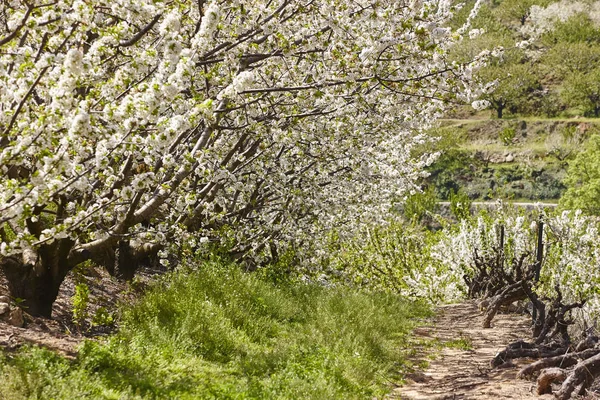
<point x="518" y="10"/>
<point x="583" y="180"/>
<point x="578" y="27"/>
<point x="516" y="85"/>
<point x="582" y="90"/>
<point x="564" y="59"/>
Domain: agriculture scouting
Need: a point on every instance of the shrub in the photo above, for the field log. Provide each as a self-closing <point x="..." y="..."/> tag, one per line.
<point x="507" y="136"/>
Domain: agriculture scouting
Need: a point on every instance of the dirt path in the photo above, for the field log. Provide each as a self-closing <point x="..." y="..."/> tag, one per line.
<point x="466" y="374"/>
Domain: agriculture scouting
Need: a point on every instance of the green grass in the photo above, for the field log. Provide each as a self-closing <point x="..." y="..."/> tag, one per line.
<point x="223" y="334"/>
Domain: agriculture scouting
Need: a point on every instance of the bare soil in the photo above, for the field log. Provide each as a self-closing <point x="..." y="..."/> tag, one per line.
<point x="60" y="333"/>
<point x="467" y="374"/>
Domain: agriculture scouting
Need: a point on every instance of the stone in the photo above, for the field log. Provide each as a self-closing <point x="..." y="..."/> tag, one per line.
<point x="4" y="308"/>
<point x="583" y="127"/>
<point x="16" y="318"/>
<point x="509" y="158"/>
<point x="5" y="299"/>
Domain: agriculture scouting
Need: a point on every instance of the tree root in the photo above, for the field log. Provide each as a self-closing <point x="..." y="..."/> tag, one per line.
<point x="562" y="361"/>
<point x="521" y="349"/>
<point x="580" y="378"/>
<point x="508" y="296"/>
<point x="555" y="369"/>
<point x="547" y="377"/>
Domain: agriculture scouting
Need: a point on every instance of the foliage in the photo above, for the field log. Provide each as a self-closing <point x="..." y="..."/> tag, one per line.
<point x="444" y="173"/>
<point x="516" y="83"/>
<point x="102" y="317"/>
<point x="583" y="180"/>
<point x="565" y="20"/>
<point x="579" y="28"/>
<point x="460" y="205"/>
<point x="220" y="333"/>
<point x="564" y="59"/>
<point x="394" y="257"/>
<point x="419" y="205"/>
<point x="507" y="135"/>
<point x="518" y="10"/>
<point x="582" y="90"/>
<point x="568" y="143"/>
<point x="545" y="44"/>
<point x="80" y="300"/>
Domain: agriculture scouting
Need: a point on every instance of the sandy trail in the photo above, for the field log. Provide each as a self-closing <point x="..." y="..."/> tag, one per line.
<point x="466" y="374"/>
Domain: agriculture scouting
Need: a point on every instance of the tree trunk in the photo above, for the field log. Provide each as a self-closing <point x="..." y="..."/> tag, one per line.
<point x="36" y="276"/>
<point x="508" y="296"/>
<point x="127" y="259"/>
<point x="125" y="262"/>
<point x="499" y="111"/>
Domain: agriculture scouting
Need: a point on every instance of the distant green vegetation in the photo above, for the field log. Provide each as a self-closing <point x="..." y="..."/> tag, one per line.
<point x="555" y="75"/>
<point x="519" y="160"/>
<point x="583" y="180"/>
<point x="217" y="332"/>
<point x="543" y="108"/>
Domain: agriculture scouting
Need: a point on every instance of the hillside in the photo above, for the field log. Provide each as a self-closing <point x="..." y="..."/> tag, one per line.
<point x="523" y="159"/>
<point x="541" y="101"/>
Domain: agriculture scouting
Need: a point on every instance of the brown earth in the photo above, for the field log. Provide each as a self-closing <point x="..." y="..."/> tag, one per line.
<point x="60" y="333"/>
<point x="467" y="374"/>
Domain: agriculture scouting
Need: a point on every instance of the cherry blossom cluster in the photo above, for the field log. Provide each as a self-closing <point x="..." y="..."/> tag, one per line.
<point x="570" y="259"/>
<point x="543" y="19"/>
<point x="262" y="124"/>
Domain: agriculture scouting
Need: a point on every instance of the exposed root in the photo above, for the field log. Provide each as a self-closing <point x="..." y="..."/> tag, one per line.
<point x="521" y="349"/>
<point x="562" y="361"/>
<point x="580" y="378"/>
<point x="547" y="377"/>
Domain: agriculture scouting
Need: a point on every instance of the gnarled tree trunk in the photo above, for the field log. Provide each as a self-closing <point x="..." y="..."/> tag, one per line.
<point x="36" y="276"/>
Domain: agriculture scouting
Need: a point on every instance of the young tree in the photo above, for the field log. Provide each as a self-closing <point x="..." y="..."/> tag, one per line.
<point x="130" y="127"/>
<point x="582" y="90"/>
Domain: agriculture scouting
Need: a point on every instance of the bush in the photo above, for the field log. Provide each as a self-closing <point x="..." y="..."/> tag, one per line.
<point x="449" y="170"/>
<point x="460" y="205"/>
<point x="507" y="136"/>
<point x="419" y="205"/>
<point x="583" y="180"/>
